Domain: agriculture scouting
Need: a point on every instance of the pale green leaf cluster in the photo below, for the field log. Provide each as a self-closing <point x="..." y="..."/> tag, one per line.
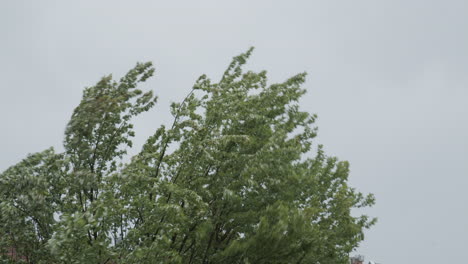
<point x="231" y="180"/>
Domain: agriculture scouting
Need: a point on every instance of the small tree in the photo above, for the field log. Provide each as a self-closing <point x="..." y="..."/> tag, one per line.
<point x="231" y="180"/>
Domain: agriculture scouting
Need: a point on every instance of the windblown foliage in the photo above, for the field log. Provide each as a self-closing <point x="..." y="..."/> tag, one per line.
<point x="231" y="180"/>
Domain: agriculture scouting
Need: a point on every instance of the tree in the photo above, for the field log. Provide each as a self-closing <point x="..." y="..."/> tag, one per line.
<point x="231" y="180"/>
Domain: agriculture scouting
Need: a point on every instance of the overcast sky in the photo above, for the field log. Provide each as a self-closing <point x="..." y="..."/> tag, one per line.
<point x="388" y="80"/>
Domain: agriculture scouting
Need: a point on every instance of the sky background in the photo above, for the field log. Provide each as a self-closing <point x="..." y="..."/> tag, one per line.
<point x="388" y="80"/>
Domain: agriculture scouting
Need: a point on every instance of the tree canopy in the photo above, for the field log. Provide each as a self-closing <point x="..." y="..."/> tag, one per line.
<point x="234" y="179"/>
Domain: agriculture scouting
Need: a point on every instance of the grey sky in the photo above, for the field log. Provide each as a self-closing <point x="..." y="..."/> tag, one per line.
<point x="388" y="80"/>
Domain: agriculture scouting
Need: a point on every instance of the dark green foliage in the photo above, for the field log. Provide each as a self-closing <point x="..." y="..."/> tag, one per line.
<point x="230" y="181"/>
